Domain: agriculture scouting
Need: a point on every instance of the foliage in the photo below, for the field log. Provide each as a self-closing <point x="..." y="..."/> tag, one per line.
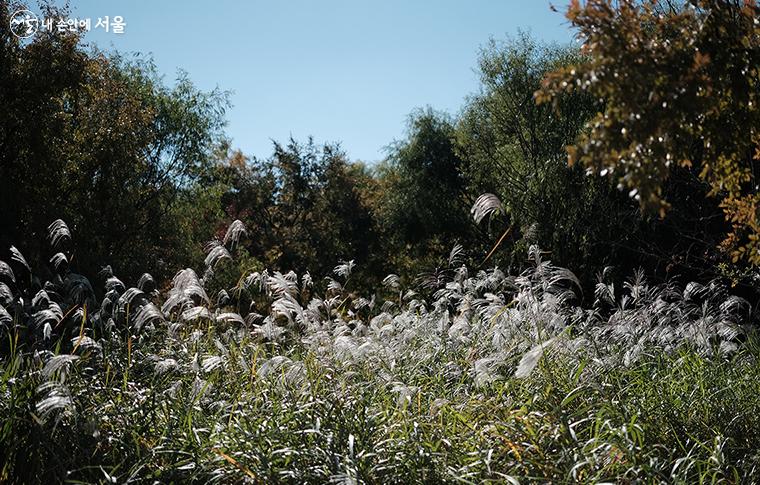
<point x="495" y="378"/>
<point x="306" y="205"/>
<point x="680" y="90"/>
<point x="262" y="362"/>
<point x="100" y="140"/>
<point x="515" y="149"/>
<point x="425" y="197"/>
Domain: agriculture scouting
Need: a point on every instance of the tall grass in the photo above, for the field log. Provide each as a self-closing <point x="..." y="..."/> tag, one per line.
<point x="273" y="377"/>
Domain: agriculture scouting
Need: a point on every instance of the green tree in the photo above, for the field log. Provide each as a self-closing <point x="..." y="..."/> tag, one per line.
<point x="424" y="206"/>
<point x="100" y="141"/>
<point x="306" y="206"/>
<point x="515" y="149"/>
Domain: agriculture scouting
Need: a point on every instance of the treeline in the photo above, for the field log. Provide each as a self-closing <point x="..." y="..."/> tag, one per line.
<point x="145" y="176"/>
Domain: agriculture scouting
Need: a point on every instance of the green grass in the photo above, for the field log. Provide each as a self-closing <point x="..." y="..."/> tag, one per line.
<point x="668" y="418"/>
<point x="658" y="385"/>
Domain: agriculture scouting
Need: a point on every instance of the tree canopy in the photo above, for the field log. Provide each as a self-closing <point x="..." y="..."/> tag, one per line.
<point x="680" y="86"/>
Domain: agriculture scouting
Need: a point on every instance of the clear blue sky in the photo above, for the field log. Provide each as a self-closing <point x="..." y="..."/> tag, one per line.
<point x="340" y="70"/>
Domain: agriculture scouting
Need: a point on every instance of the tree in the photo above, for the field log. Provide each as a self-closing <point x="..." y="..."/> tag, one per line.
<point x="515" y="149"/>
<point x="424" y="206"/>
<point x="680" y="90"/>
<point x="307" y="207"/>
<point x="99" y="141"/>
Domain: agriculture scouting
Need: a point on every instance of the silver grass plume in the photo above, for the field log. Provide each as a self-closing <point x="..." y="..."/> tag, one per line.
<point x="58" y="231"/>
<point x="484" y="206"/>
<point x="165" y="365"/>
<point x="41" y="300"/>
<point x="6" y="272"/>
<point x="58" y="364"/>
<point x="531" y="358"/>
<point x="222" y="298"/>
<point x="230" y="317"/>
<point x="60" y="262"/>
<point x="50" y="316"/>
<point x="234" y="232"/>
<point x="345" y="268"/>
<point x="216" y="253"/>
<point x="279" y="284"/>
<point x="5" y="317"/>
<point x="147" y="314"/>
<point x="19" y="258"/>
<point x="392" y="281"/>
<point x="6" y="295"/>
<point x="196" y="313"/>
<point x="186" y="292"/>
<point x="115" y="284"/>
<point x="57" y="400"/>
<point x="456" y="256"/>
<point x="146" y="283"/>
<point x="128" y="302"/>
<point x="306" y="281"/>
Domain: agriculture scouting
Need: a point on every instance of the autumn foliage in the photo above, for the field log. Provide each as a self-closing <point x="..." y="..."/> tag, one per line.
<point x="680" y="88"/>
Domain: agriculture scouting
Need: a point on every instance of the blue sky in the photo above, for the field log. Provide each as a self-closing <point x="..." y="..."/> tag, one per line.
<point x="340" y="70"/>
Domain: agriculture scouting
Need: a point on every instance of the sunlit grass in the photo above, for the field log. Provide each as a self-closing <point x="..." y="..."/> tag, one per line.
<point x="339" y="389"/>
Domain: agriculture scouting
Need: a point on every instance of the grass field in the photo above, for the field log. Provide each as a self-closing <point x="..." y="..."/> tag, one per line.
<point x="474" y="377"/>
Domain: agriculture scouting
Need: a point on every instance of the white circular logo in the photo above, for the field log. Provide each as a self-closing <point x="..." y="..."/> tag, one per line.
<point x="24" y="24"/>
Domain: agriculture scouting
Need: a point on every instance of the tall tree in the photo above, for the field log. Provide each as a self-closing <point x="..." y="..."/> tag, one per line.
<point x="515" y="149"/>
<point x="306" y="206"/>
<point x="424" y="208"/>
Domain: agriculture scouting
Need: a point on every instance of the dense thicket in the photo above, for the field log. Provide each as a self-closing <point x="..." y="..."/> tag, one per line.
<point x="680" y="86"/>
<point x="514" y="148"/>
<point x="302" y="205"/>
